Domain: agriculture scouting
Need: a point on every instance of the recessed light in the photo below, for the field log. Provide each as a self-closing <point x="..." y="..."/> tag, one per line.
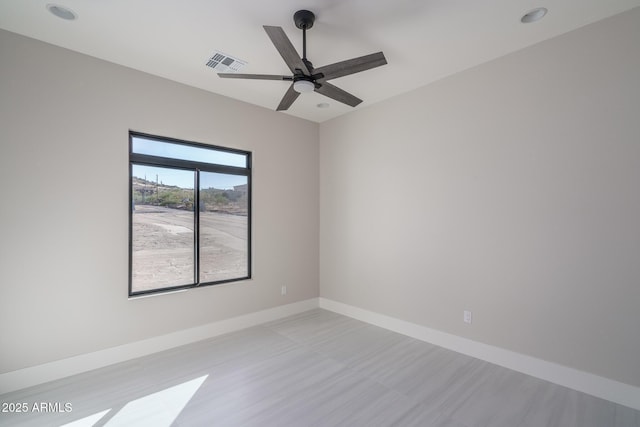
<point x="323" y="105"/>
<point x="534" y="15"/>
<point x="62" y="12"/>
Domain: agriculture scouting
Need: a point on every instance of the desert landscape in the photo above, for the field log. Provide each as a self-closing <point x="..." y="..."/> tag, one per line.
<point x="163" y="247"/>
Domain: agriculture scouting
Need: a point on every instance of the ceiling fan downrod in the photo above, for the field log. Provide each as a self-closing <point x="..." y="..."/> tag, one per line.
<point x="304" y="20"/>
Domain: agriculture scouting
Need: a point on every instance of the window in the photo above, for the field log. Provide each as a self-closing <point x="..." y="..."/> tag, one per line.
<point x="190" y="216"/>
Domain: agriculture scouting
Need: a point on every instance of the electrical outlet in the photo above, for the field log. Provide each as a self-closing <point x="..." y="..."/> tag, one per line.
<point x="283" y="290"/>
<point x="467" y="317"/>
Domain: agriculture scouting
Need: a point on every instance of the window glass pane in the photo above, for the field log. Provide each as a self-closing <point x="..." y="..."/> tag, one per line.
<point x="162" y="240"/>
<point x="186" y="152"/>
<point x="224" y="232"/>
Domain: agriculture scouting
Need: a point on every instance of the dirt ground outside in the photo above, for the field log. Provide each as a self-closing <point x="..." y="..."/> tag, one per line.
<point x="163" y="247"/>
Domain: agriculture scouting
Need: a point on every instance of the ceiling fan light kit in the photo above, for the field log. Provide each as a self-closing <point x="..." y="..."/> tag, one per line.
<point x="303" y="86"/>
<point x="305" y="77"/>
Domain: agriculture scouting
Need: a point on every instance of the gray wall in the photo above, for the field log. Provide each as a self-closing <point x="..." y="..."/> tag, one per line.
<point x="510" y="189"/>
<point x="64" y="128"/>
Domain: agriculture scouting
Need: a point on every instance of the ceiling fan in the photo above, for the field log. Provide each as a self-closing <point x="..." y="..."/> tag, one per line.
<point x="305" y="78"/>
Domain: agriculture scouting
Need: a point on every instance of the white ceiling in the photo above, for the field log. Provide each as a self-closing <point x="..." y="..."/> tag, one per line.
<point x="423" y="40"/>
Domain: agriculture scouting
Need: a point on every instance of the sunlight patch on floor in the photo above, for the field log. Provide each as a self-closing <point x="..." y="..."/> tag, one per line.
<point x="157" y="410"/>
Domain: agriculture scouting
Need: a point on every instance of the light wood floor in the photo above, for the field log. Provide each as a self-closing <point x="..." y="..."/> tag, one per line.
<point x="313" y="369"/>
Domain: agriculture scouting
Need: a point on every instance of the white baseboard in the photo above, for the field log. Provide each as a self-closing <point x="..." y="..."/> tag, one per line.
<point x="585" y="382"/>
<point x="27" y="377"/>
<point x="614" y="391"/>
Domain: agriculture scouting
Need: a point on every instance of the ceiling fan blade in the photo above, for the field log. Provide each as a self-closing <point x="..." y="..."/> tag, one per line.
<point x="286" y="49"/>
<point x="254" y="76"/>
<point x="351" y="66"/>
<point x="288" y="99"/>
<point x="334" y="92"/>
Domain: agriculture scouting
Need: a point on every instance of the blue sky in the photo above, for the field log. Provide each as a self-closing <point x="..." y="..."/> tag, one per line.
<point x="187" y="152"/>
<point x="182" y="178"/>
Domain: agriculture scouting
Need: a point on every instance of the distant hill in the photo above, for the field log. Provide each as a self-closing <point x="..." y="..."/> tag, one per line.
<point x="147" y="192"/>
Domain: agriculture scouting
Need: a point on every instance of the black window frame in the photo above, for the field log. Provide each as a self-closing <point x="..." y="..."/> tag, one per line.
<point x="150" y="160"/>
